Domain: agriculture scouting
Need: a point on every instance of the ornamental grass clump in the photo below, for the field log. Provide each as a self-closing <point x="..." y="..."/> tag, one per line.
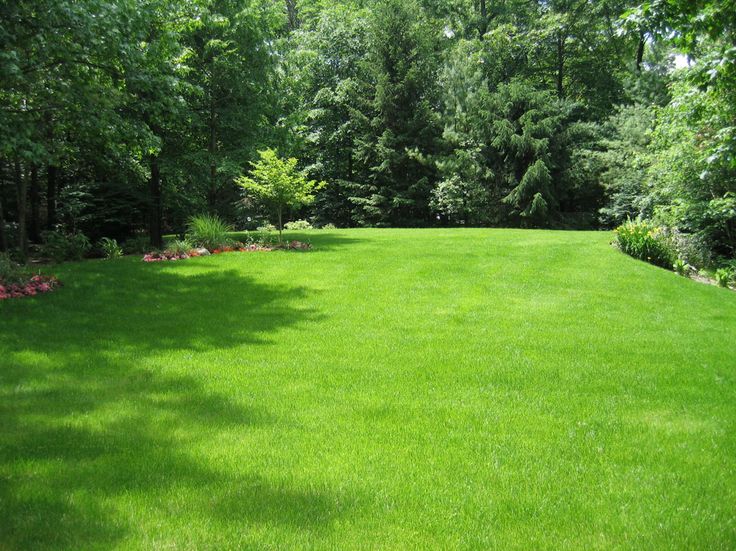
<point x="208" y="231"/>
<point x="646" y="241"/>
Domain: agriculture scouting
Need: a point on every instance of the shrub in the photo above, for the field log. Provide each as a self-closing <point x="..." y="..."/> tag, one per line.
<point x="60" y="246"/>
<point x="208" y="231"/>
<point x="268" y="228"/>
<point x="179" y="247"/>
<point x="329" y="226"/>
<point x="724" y="276"/>
<point x="298" y="225"/>
<point x="110" y="248"/>
<point x="11" y="273"/>
<point x="681" y="267"/>
<point x="645" y="241"/>
<point x="691" y="248"/>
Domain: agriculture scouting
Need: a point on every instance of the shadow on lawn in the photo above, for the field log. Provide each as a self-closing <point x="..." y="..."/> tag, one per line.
<point x="85" y="426"/>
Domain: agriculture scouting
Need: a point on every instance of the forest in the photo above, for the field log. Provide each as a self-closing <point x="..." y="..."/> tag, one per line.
<point x="124" y="118"/>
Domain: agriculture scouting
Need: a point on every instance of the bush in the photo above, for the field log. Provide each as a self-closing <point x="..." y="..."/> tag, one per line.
<point x="11" y="273"/>
<point x="692" y="249"/>
<point x="298" y="225"/>
<point x="138" y="244"/>
<point x="110" y="248"/>
<point x="60" y="246"/>
<point x="268" y="228"/>
<point x="208" y="231"/>
<point x="329" y="226"/>
<point x="724" y="276"/>
<point x="645" y="241"/>
<point x="681" y="267"/>
<point x="179" y="247"/>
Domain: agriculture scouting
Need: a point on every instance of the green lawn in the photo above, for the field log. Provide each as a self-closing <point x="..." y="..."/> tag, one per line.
<point x="389" y="389"/>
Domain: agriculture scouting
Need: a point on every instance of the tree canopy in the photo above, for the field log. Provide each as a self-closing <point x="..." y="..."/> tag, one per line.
<point x="126" y="116"/>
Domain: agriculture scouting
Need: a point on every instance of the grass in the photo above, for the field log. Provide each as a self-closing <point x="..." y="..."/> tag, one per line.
<point x="389" y="389"/>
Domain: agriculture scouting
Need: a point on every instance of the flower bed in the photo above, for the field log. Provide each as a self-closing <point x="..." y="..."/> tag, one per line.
<point x="234" y="248"/>
<point x="35" y="285"/>
<point x="163" y="256"/>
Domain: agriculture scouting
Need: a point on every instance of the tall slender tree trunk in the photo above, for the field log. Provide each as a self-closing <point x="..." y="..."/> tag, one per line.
<point x="560" y="65"/>
<point x="34" y="226"/>
<point x="155" y="209"/>
<point x="21" y="192"/>
<point x="292" y="14"/>
<point x="483" y="18"/>
<point x="281" y="227"/>
<point x="3" y="236"/>
<point x="51" y="189"/>
<point x="640" y="52"/>
<point x="212" y="149"/>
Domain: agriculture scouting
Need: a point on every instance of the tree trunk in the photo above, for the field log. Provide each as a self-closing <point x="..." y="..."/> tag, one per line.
<point x="560" y="65"/>
<point x="3" y="238"/>
<point x="640" y="53"/>
<point x="34" y="225"/>
<point x="21" y="191"/>
<point x="212" y="195"/>
<point x="281" y="227"/>
<point x="292" y="14"/>
<point x="51" y="188"/>
<point x="483" y="18"/>
<point x="155" y="204"/>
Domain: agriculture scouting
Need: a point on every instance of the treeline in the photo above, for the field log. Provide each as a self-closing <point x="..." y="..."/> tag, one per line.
<point x="125" y="116"/>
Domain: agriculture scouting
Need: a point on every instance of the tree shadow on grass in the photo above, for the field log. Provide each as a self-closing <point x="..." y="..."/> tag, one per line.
<point x="85" y="424"/>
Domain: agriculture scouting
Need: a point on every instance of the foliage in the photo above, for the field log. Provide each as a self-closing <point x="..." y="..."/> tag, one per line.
<point x="179" y="246"/>
<point x="646" y="241"/>
<point x="11" y="272"/>
<point x="276" y="183"/>
<point x="208" y="231"/>
<point x="60" y="246"/>
<point x="110" y="248"/>
<point x="681" y="267"/>
<point x="298" y="225"/>
<point x="724" y="276"/>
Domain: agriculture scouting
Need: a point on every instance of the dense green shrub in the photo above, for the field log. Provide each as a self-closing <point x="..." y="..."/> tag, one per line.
<point x="208" y="231"/>
<point x="11" y="273"/>
<point x="59" y="246"/>
<point x="298" y="225"/>
<point x="681" y="267"/>
<point x="110" y="248"/>
<point x="724" y="276"/>
<point x="646" y="241"/>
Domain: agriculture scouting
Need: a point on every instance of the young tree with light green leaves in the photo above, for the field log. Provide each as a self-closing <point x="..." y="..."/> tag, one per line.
<point x="278" y="184"/>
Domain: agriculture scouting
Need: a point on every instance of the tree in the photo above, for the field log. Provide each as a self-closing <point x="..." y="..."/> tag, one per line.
<point x="277" y="183"/>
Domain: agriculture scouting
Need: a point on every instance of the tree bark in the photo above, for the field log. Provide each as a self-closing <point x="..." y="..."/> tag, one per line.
<point x="51" y="188"/>
<point x="292" y="14"/>
<point x="212" y="149"/>
<point x="560" y="65"/>
<point x="3" y="236"/>
<point x="21" y="192"/>
<point x="155" y="209"/>
<point x="640" y="53"/>
<point x="281" y="227"/>
<point x="483" y="18"/>
<point x="34" y="225"/>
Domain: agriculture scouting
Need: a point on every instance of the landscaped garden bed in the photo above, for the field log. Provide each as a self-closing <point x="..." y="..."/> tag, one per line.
<point x="16" y="281"/>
